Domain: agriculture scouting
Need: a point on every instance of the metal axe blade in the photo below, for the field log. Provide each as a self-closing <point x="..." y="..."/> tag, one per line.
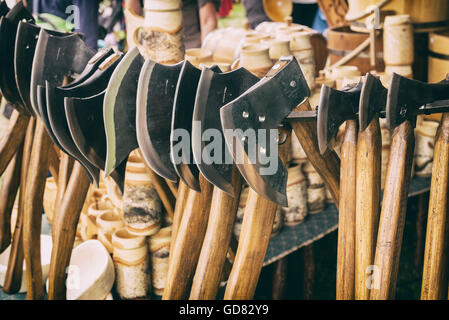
<point x="56" y="57"/>
<point x="56" y="111"/>
<point x="4" y="9"/>
<point x="284" y="87"/>
<point x="85" y="120"/>
<point x="406" y="97"/>
<point x="215" y="89"/>
<point x="155" y="96"/>
<point x="373" y="98"/>
<point x="8" y="30"/>
<point x="91" y="67"/>
<point x="26" y="41"/>
<point x="119" y="113"/>
<point x="183" y="106"/>
<point x="335" y="107"/>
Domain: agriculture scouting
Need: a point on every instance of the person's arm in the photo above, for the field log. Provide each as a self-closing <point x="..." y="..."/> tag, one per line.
<point x="134" y="6"/>
<point x="208" y="18"/>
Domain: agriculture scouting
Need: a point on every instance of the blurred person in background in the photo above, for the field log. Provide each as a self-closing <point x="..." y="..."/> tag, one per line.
<point x="69" y="15"/>
<point x="305" y="12"/>
<point x="199" y="18"/>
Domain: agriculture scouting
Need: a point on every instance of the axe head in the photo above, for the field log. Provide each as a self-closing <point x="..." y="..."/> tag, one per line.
<point x="155" y="97"/>
<point x="3" y="8"/>
<point x="373" y="99"/>
<point x="26" y="40"/>
<point x="55" y="58"/>
<point x="8" y="31"/>
<point x="119" y="111"/>
<point x="251" y="118"/>
<point x="91" y="67"/>
<point x="56" y="111"/>
<point x="85" y="121"/>
<point x="215" y="89"/>
<point x="183" y="106"/>
<point x="406" y="96"/>
<point x="336" y="106"/>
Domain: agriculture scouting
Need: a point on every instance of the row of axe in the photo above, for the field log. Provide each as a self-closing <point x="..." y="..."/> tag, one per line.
<point x="119" y="102"/>
<point x="368" y="244"/>
<point x="116" y="103"/>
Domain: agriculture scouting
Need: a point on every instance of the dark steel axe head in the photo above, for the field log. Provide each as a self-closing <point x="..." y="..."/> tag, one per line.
<point x="85" y="120"/>
<point x="215" y="89"/>
<point x="183" y="105"/>
<point x="93" y="89"/>
<point x="26" y="40"/>
<point x="59" y="129"/>
<point x="264" y="107"/>
<point x="91" y="67"/>
<point x="56" y="111"/>
<point x="56" y="57"/>
<point x="373" y="99"/>
<point x="155" y="97"/>
<point x="406" y="96"/>
<point x="4" y="9"/>
<point x="335" y="107"/>
<point x="8" y="30"/>
<point x="119" y="113"/>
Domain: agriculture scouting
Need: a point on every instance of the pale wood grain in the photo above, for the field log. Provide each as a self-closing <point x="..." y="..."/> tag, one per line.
<point x="347" y="213"/>
<point x="392" y="215"/>
<point x="369" y="152"/>
<point x="434" y="279"/>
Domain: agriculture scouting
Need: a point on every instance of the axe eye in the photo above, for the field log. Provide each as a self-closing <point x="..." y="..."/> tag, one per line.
<point x="245" y="114"/>
<point x="261" y="118"/>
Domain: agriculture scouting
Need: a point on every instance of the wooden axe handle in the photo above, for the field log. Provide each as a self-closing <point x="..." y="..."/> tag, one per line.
<point x="64" y="171"/>
<point x="187" y="245"/>
<point x="435" y="254"/>
<point x="255" y="235"/>
<point x="13" y="276"/>
<point x="328" y="164"/>
<point x="53" y="162"/>
<point x="392" y="215"/>
<point x="180" y="204"/>
<point x="66" y="224"/>
<point x="369" y="153"/>
<point x="8" y="193"/>
<point x="12" y="138"/>
<point x="347" y="214"/>
<point x="216" y="241"/>
<point x="33" y="208"/>
<point x="173" y="187"/>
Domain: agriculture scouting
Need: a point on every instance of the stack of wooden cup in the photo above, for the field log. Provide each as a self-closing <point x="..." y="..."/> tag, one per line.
<point x="142" y="208"/>
<point x="424" y="136"/>
<point x="398" y="45"/>
<point x="159" y="245"/>
<point x="297" y="209"/>
<point x="161" y="38"/>
<point x="316" y="191"/>
<point x="131" y="261"/>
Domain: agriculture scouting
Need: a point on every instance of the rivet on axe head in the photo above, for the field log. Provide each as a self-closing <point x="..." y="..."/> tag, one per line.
<point x="244" y="113"/>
